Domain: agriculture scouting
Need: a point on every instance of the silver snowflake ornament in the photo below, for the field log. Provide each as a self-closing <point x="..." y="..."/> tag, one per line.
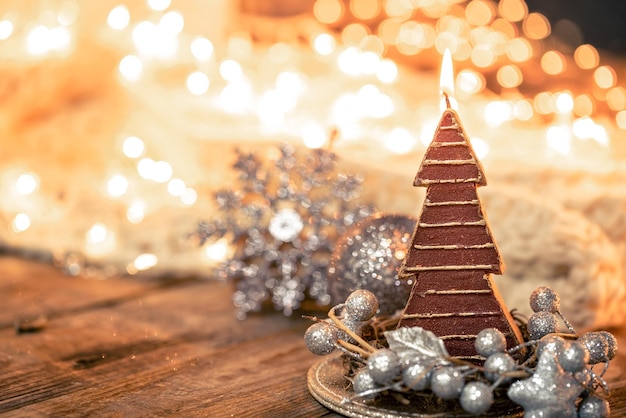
<point x="284" y="217"/>
<point x="549" y="392"/>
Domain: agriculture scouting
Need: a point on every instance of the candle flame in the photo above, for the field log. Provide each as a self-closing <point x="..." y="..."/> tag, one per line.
<point x="446" y="81"/>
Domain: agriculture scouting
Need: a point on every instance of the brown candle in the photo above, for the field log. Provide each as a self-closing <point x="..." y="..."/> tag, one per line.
<point x="453" y="253"/>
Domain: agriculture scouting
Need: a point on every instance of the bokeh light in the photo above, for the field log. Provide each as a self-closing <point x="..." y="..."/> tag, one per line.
<point x="553" y="62"/>
<point x="365" y="9"/>
<point x="519" y="50"/>
<point x="119" y="17"/>
<point x="605" y="77"/>
<point x="328" y="11"/>
<point x="513" y="10"/>
<point x="586" y="57"/>
<point x="583" y="105"/>
<point x="509" y="76"/>
<point x="536" y="26"/>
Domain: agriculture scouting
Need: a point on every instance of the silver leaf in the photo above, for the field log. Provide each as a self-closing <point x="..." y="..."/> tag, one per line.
<point x="417" y="345"/>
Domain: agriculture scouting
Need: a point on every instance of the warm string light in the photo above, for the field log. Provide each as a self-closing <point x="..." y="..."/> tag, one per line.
<point x="483" y="32"/>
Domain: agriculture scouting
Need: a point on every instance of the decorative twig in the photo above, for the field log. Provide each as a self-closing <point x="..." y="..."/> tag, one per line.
<point x="352" y="334"/>
<point x="354" y="349"/>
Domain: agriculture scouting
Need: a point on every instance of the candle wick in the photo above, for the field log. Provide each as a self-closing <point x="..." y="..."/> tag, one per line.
<point x="332" y="137"/>
<point x="447" y="99"/>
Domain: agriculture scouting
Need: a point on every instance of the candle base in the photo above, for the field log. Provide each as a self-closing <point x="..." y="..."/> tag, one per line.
<point x="329" y="386"/>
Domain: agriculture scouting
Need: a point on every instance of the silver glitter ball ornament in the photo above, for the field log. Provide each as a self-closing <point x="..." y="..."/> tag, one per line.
<point x="573" y="357"/>
<point x="320" y="338"/>
<point x="594" y="407"/>
<point x="447" y="382"/>
<point x="552" y="343"/>
<point x="490" y="341"/>
<point x="416" y="376"/>
<point x="544" y="299"/>
<point x="611" y="343"/>
<point x="597" y="346"/>
<point x="476" y="398"/>
<point x="361" y="305"/>
<point x="497" y="364"/>
<point x="541" y="324"/>
<point x="362" y="382"/>
<point x="384" y="366"/>
<point x="368" y="256"/>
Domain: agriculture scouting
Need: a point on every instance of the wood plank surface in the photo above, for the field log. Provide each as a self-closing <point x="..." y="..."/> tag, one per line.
<point x="129" y="347"/>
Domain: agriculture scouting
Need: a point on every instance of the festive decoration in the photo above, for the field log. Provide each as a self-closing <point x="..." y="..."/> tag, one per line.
<point x="452" y="251"/>
<point x="368" y="256"/>
<point x="454" y="317"/>
<point x="407" y="371"/>
<point x="549" y="392"/>
<point x="284" y="221"/>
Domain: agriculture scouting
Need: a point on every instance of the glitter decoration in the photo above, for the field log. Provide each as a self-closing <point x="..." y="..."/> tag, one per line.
<point x="416" y="376"/>
<point x="594" y="407"/>
<point x="545" y="299"/>
<point x="550" y="391"/>
<point x="368" y="257"/>
<point x="321" y="338"/>
<point x="409" y="372"/>
<point x="476" y="398"/>
<point x="364" y="384"/>
<point x="361" y="305"/>
<point x="285" y="225"/>
<point x="541" y="324"/>
<point x="284" y="218"/>
<point x="490" y="341"/>
<point x="384" y="366"/>
<point x="447" y="382"/>
<point x="497" y="364"/>
<point x="597" y="346"/>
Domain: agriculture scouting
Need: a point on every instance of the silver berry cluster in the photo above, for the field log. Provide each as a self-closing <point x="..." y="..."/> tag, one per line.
<point x="345" y="325"/>
<point x="283" y="216"/>
<point x="556" y="379"/>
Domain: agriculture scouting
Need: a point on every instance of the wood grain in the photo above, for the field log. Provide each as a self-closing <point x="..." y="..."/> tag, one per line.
<point x="126" y="347"/>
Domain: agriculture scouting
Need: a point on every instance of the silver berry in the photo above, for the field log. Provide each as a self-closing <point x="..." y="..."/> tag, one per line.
<point x="497" y="364"/>
<point x="384" y="366"/>
<point x="597" y="345"/>
<point x="552" y="343"/>
<point x="416" y="376"/>
<point x="573" y="357"/>
<point x="594" y="407"/>
<point x="611" y="343"/>
<point x="489" y="341"/>
<point x="321" y="338"/>
<point x="361" y="305"/>
<point x="476" y="398"/>
<point x="544" y="299"/>
<point x="362" y="383"/>
<point x="447" y="382"/>
<point x="541" y="324"/>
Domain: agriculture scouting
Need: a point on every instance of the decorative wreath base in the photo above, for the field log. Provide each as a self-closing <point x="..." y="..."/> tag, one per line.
<point x="328" y="385"/>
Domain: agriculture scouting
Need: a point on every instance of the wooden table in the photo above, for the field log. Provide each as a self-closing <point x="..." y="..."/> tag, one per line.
<point x="130" y="347"/>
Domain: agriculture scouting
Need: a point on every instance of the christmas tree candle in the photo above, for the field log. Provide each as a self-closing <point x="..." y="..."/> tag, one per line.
<point x="453" y="254"/>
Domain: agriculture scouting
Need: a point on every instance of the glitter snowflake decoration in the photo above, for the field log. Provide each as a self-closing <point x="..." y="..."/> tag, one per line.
<point x="283" y="219"/>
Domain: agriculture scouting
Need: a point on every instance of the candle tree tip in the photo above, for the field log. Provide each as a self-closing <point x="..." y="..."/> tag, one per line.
<point x="446" y="97"/>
